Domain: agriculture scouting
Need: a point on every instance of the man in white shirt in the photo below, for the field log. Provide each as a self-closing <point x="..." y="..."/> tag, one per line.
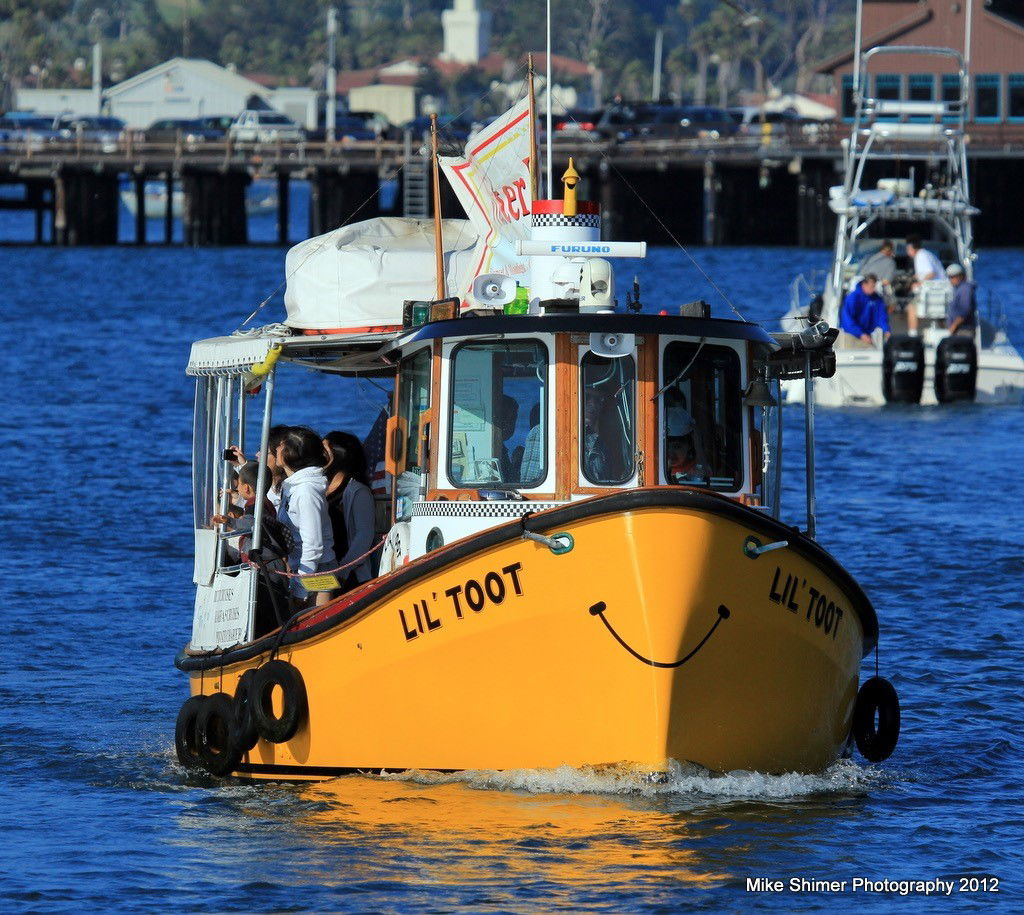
<point x="927" y="267"/>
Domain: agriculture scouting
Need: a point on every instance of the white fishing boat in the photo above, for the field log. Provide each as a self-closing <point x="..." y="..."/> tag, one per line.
<point x="921" y="146"/>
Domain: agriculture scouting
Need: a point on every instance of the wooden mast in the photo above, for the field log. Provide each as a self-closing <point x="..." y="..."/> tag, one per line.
<point x="438" y="238"/>
<point x="533" y="128"/>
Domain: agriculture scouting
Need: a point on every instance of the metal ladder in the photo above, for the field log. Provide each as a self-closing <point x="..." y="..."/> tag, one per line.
<point x="415" y="181"/>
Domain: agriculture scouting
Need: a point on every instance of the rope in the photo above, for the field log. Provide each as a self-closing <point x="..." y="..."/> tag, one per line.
<point x="340" y="568"/>
<point x="599" y="608"/>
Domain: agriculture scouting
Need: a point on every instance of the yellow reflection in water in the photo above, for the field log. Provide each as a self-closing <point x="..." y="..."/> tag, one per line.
<point x="449" y="832"/>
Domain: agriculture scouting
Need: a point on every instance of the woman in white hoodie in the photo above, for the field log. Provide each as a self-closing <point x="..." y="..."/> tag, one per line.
<point x="304" y="504"/>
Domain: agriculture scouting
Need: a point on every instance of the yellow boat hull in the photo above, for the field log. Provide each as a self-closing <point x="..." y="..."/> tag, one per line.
<point x="656" y="637"/>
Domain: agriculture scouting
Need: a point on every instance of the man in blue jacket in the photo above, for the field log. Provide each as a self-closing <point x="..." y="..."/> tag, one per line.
<point x="862" y="313"/>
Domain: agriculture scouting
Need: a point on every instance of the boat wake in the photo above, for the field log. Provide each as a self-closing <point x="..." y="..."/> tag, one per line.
<point x="843" y="777"/>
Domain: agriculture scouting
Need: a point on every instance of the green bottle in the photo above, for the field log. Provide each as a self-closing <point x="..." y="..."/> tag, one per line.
<point x="520" y="305"/>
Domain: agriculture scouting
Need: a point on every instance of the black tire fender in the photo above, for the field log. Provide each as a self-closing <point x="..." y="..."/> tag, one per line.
<point x="246" y="733"/>
<point x="215" y="734"/>
<point x="876" y="719"/>
<point x="185" y="742"/>
<point x="294" y="704"/>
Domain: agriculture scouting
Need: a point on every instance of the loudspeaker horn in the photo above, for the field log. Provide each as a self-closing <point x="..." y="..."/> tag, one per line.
<point x="492" y="290"/>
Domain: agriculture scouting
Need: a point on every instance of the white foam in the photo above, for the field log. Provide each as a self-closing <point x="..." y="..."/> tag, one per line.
<point x="842" y="777"/>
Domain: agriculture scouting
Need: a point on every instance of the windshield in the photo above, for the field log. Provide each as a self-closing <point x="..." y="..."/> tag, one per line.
<point x="607" y="427"/>
<point x="702" y="415"/>
<point x="498" y="417"/>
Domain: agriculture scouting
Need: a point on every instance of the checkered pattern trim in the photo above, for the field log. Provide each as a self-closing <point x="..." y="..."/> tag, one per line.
<point x="557" y="220"/>
<point x="478" y="509"/>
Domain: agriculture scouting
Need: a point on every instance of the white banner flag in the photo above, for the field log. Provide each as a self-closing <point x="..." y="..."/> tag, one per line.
<point x="492" y="182"/>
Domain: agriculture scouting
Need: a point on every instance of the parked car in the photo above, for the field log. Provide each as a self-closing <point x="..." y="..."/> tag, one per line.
<point x="577" y="122"/>
<point x="750" y="119"/>
<point x="260" y="126"/>
<point x="449" y="127"/>
<point x="104" y="132"/>
<point x="379" y="123"/>
<point x="23" y="130"/>
<point x="217" y="124"/>
<point x="168" y="130"/>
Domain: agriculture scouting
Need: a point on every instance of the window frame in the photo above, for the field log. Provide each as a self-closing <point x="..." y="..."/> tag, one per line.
<point x="447" y="423"/>
<point x="846" y="86"/>
<point x="583" y="481"/>
<point x="988" y="81"/>
<point x="1014" y="81"/>
<point x="739" y="353"/>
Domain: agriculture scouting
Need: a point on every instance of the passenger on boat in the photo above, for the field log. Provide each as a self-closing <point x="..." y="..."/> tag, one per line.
<point x="682" y="460"/>
<point x="863" y="312"/>
<point x="927" y="268"/>
<point x="350" y="506"/>
<point x="509" y="461"/>
<point x="304" y="504"/>
<point x="882" y="263"/>
<point x="963" y="308"/>
<point x="532" y="467"/>
<point x="274" y="440"/>
<point x="595" y="456"/>
<point x="239" y="518"/>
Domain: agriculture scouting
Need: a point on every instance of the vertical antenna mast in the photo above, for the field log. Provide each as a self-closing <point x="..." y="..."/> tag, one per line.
<point x="550" y="188"/>
<point x="966" y="81"/>
<point x="856" y="48"/>
<point x="438" y="239"/>
<point x="532" y="96"/>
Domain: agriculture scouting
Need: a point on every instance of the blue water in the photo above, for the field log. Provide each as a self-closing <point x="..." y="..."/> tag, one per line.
<point x="921" y="505"/>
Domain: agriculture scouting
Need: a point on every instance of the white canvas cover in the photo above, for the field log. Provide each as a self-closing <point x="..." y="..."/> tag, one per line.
<point x="360" y="275"/>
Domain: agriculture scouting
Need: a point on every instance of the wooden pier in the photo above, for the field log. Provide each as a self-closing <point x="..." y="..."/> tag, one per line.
<point x="763" y="190"/>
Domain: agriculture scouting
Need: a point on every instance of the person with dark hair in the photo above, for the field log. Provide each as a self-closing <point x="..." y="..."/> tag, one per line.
<point x="350" y="506"/>
<point x="304" y="504"/>
<point x="862" y="313"/>
<point x="882" y="263"/>
<point x="274" y="439"/>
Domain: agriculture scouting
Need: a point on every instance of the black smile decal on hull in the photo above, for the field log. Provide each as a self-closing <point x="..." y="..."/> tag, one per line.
<point x="599" y="608"/>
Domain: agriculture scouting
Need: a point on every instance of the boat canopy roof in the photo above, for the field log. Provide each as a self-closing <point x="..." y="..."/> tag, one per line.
<point x="375" y="353"/>
<point x="890" y="206"/>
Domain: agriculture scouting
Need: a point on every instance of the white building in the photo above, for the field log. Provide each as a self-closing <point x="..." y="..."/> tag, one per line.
<point x="182" y="88"/>
<point x="56" y="101"/>
<point x="467" y="32"/>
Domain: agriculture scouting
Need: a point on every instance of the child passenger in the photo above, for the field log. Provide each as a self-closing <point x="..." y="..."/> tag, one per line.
<point x="304" y="504"/>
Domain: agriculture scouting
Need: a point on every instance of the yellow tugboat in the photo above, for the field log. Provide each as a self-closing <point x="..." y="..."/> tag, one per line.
<point x="582" y="560"/>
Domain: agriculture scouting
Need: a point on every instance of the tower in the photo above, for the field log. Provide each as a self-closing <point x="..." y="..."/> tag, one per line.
<point x="467" y="32"/>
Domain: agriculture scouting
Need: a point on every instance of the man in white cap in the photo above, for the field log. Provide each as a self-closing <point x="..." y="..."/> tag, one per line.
<point x="963" y="308"/>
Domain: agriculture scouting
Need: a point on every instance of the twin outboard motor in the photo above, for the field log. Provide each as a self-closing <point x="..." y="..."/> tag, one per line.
<point x="956" y="369"/>
<point x="903" y="369"/>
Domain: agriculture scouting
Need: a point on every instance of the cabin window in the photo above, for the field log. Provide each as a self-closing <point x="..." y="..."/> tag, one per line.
<point x="986" y="97"/>
<point x="498" y="416"/>
<point x="702" y="415"/>
<point x="951" y="95"/>
<point x="608" y="419"/>
<point x="413" y="399"/>
<point x="848" y="102"/>
<point x="1015" y="97"/>
<point x="921" y="87"/>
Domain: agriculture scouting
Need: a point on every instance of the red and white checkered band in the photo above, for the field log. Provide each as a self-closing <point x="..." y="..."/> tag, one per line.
<point x="561" y="221"/>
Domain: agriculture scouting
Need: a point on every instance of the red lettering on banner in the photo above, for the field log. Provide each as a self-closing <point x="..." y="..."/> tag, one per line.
<point x="510" y="200"/>
<point x="502" y="215"/>
<point x="521" y="187"/>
